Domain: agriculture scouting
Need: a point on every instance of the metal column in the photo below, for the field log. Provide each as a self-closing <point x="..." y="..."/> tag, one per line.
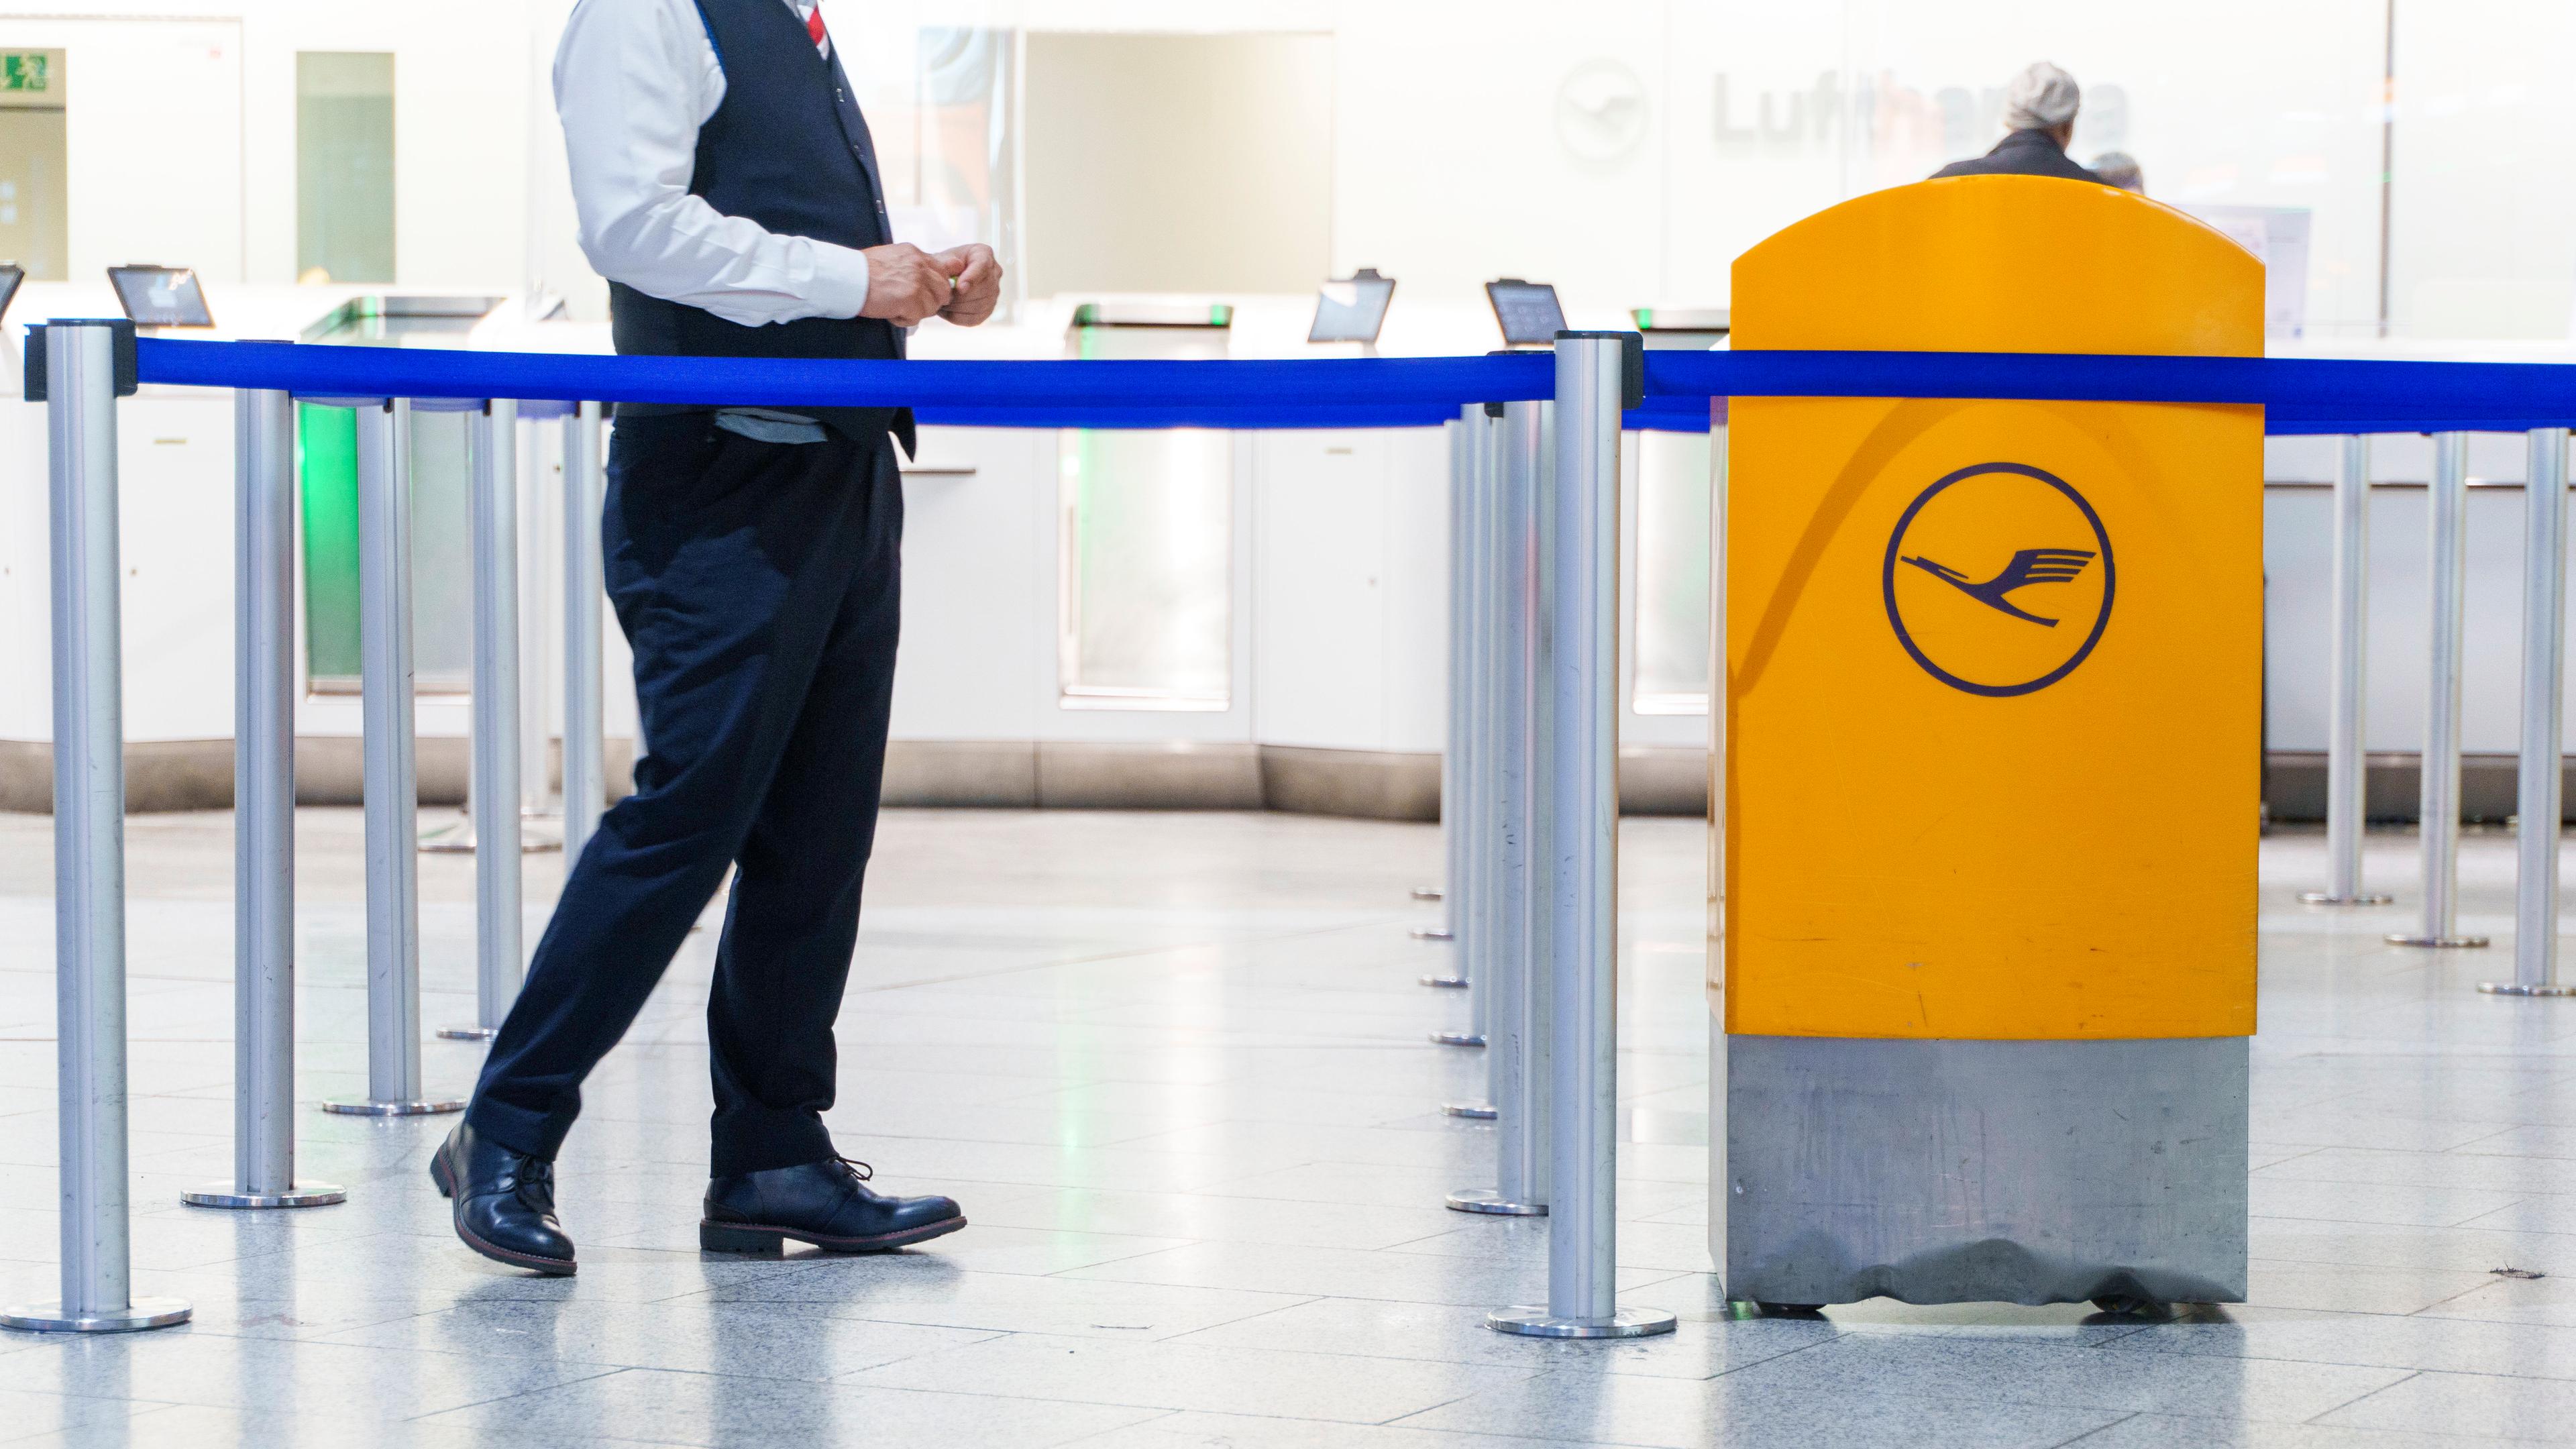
<point x="2449" y="497"/>
<point x="493" y="794"/>
<point x="1461" y="437"/>
<point x="2347" y="806"/>
<point x="1470" y="799"/>
<point x="585" y="774"/>
<point x="1516" y="992"/>
<point x="538" y="637"/>
<point x="2544" y="681"/>
<point x="391" y="789"/>
<point x="1578" y="848"/>
<point x="80" y="362"/>
<point x="264" y="816"/>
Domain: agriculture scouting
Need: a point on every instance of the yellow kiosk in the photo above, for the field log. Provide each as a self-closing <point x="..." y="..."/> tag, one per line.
<point x="1983" y="956"/>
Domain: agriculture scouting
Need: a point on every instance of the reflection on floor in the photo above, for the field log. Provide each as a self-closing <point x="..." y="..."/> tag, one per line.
<point x="1175" y="1068"/>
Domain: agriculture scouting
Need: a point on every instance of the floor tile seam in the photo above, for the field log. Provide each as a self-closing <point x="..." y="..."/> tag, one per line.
<point x="431" y="1415"/>
<point x="2097" y="1429"/>
<point x="1526" y="1377"/>
<point x="1037" y="1398"/>
<point x="2277" y="1357"/>
<point x="2320" y="1416"/>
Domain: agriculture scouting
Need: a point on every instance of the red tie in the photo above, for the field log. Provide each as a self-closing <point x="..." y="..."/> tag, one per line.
<point x="814" y="25"/>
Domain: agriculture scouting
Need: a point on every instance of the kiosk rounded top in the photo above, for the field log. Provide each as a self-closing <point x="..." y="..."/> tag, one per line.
<point x="2001" y="264"/>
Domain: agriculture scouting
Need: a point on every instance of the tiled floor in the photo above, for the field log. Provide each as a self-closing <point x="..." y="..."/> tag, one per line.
<point x="1175" y="1068"/>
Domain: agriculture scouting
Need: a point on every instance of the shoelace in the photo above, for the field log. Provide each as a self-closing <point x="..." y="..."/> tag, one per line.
<point x="858" y="1169"/>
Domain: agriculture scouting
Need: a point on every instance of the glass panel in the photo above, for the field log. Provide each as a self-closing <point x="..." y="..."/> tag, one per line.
<point x="1148" y="577"/>
<point x="344" y="166"/>
<point x="442" y="561"/>
<point x="1672" y="572"/>
<point x="35" y="201"/>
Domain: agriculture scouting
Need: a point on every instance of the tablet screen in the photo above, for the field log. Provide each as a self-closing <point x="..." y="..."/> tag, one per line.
<point x="1527" y="311"/>
<point x="161" y="296"/>
<point x="10" y="276"/>
<point x="1352" y="309"/>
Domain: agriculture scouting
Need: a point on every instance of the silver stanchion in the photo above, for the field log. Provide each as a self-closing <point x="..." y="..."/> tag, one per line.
<point x="1453" y="832"/>
<point x="541" y="822"/>
<point x="2347" y="804"/>
<point x="1471" y="729"/>
<point x="2449" y="496"/>
<point x="1467" y="967"/>
<point x="85" y="365"/>
<point x="391" y="788"/>
<point x="585" y="773"/>
<point x="264" y="816"/>
<point x="1578" y="848"/>
<point x="493" y="792"/>
<point x="2544" y="677"/>
<point x="1504" y="926"/>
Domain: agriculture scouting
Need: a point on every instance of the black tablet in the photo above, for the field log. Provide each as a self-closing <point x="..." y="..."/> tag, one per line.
<point x="11" y="274"/>
<point x="1352" y="309"/>
<point x="161" y="296"/>
<point x="1527" y="311"/>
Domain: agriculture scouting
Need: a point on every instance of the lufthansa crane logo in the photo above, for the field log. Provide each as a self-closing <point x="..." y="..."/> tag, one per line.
<point x="1999" y="579"/>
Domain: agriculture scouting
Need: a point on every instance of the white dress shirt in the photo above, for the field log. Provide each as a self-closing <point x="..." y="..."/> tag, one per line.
<point x="634" y="80"/>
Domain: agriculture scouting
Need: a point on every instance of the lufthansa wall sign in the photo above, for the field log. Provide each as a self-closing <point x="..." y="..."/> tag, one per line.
<point x="1999" y="579"/>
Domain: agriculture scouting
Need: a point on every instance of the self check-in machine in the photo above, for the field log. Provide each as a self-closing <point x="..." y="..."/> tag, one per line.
<point x="1984" y="949"/>
<point x="1352" y="309"/>
<point x="1675" y="329"/>
<point x="1527" y="312"/>
<point x="156" y="296"/>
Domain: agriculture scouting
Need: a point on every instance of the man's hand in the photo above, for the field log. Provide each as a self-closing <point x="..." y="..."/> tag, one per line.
<point x="908" y="286"/>
<point x="978" y="286"/>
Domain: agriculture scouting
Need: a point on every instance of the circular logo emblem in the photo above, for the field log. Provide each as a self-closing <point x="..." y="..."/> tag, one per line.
<point x="1601" y="111"/>
<point x="1999" y="579"/>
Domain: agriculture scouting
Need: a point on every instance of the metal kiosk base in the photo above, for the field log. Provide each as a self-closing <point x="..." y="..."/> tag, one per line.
<point x="1980" y="1171"/>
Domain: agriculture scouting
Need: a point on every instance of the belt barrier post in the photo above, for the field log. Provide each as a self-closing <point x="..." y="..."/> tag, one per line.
<point x="1506" y="965"/>
<point x="391" y="770"/>
<point x="2347" y="803"/>
<point x="1471" y="685"/>
<point x="2544" y="675"/>
<point x="2440" y="797"/>
<point x="585" y="774"/>
<point x="1453" y="752"/>
<point x="493" y="794"/>
<point x="1578" y="846"/>
<point x="80" y="361"/>
<point x="264" y="816"/>
<point x="537" y="640"/>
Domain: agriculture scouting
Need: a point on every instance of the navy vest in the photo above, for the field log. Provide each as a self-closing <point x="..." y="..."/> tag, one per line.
<point x="788" y="149"/>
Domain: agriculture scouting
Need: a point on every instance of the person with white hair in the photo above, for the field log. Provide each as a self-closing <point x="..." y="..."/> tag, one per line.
<point x="2039" y="111"/>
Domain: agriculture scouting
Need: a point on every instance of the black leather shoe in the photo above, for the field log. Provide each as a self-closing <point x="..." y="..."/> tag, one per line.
<point x="824" y="1203"/>
<point x="504" y="1202"/>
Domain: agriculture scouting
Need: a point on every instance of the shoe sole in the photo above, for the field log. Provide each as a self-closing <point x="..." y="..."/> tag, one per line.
<point x="763" y="1238"/>
<point x="446" y="1185"/>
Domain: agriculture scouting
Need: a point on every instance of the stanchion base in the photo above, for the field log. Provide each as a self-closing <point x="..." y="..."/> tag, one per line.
<point x="139" y="1314"/>
<point x="1486" y="1200"/>
<point x="1426" y="893"/>
<point x="1475" y="1111"/>
<point x="1454" y="983"/>
<point x="2437" y="943"/>
<point x="468" y="1033"/>
<point x="1432" y="933"/>
<point x="1537" y="1323"/>
<point x="393" y="1109"/>
<point x="454" y="838"/>
<point x="2516" y="988"/>
<point x="1459" y="1038"/>
<point x="2329" y="898"/>
<point x="303" y="1194"/>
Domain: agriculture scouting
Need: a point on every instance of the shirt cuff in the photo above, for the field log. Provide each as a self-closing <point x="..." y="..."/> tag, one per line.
<point x="840" y="285"/>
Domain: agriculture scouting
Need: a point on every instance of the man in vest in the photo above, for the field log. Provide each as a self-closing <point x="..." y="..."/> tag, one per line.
<point x="728" y="190"/>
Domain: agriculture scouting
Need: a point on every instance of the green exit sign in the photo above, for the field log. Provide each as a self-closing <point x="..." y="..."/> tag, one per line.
<point x="25" y="72"/>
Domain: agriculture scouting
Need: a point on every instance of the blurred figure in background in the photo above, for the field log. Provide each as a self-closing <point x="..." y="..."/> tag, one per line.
<point x="2120" y="169"/>
<point x="2040" y="113"/>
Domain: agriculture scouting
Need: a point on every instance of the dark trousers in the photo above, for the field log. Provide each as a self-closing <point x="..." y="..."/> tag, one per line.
<point x="758" y="584"/>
